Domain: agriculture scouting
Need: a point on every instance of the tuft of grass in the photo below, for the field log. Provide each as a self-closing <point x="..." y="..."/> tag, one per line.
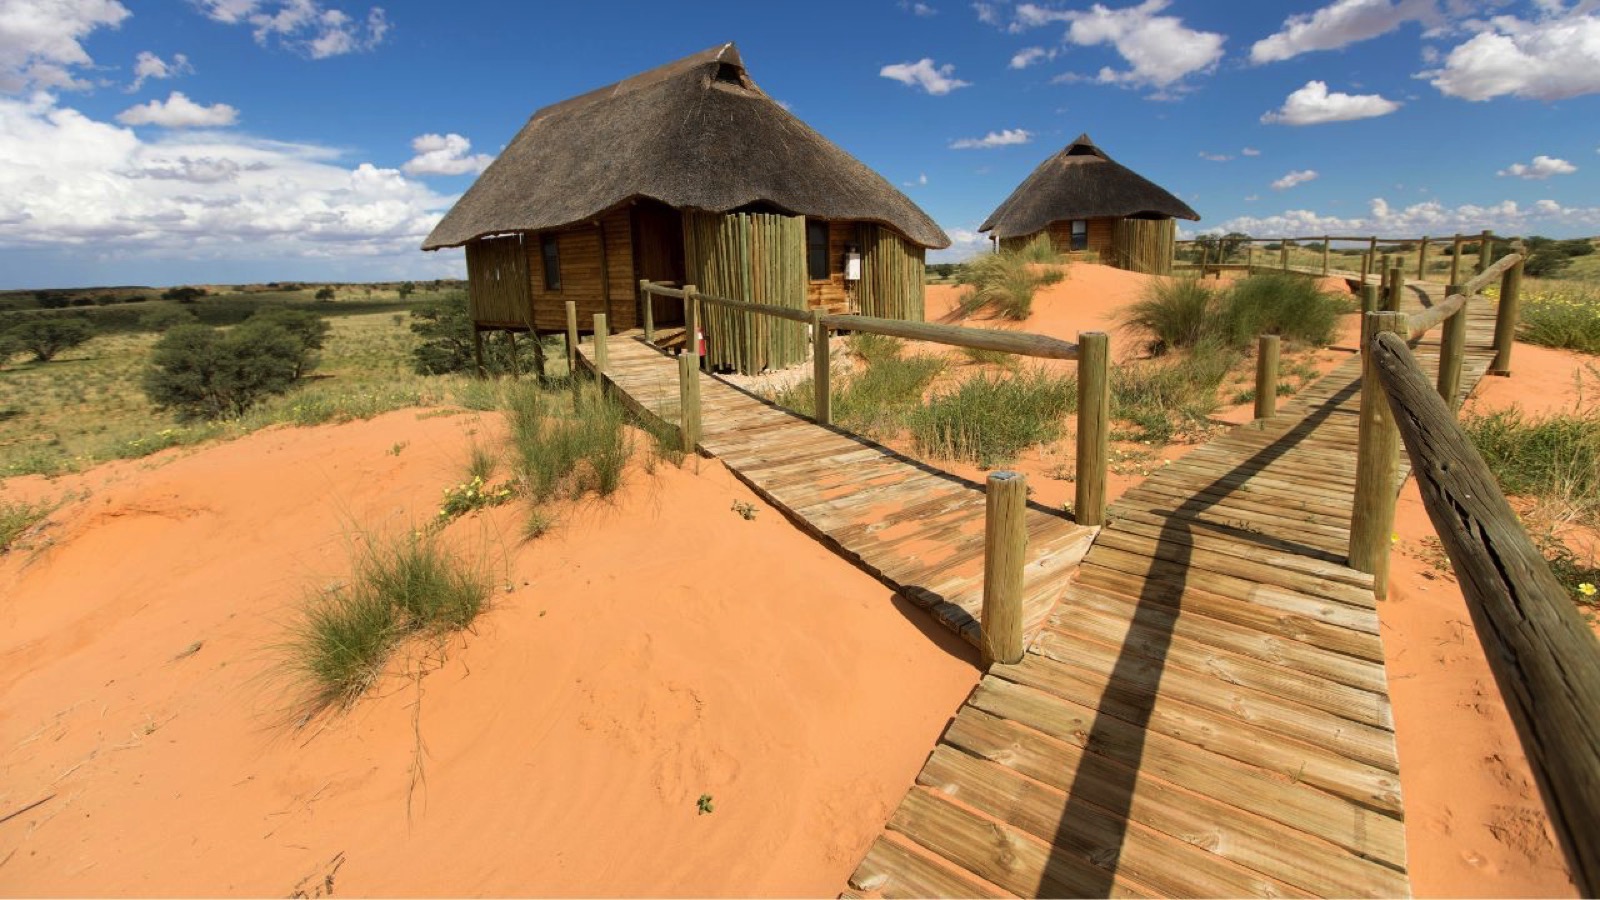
<point x="559" y="447"/>
<point x="1277" y="303"/>
<point x="17" y="517"/>
<point x="481" y="462"/>
<point x="1555" y="459"/>
<point x="1566" y="319"/>
<point x="1007" y="361"/>
<point x="990" y="421"/>
<point x="876" y="400"/>
<point x="873" y="348"/>
<point x="400" y="586"/>
<point x="1175" y="312"/>
<point x="1165" y="398"/>
<point x="1004" y="282"/>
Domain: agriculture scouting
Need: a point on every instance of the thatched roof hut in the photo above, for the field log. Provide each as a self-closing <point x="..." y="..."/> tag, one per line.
<point x="1081" y="199"/>
<point x="687" y="173"/>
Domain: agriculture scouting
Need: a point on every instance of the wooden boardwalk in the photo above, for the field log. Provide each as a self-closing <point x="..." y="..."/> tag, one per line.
<point x="1205" y="712"/>
<point x="919" y="529"/>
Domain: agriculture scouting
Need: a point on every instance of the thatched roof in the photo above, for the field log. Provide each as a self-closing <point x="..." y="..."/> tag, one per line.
<point x="694" y="134"/>
<point x="1082" y="182"/>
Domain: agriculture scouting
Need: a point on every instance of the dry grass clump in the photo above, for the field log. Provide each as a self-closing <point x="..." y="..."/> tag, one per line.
<point x="1006" y="281"/>
<point x="1180" y="313"/>
<point x="990" y="421"/>
<point x="877" y="399"/>
<point x="1165" y="398"/>
<point x="16" y="517"/>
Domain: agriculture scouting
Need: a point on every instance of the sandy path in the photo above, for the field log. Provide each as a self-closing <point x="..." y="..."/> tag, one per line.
<point x="652" y="649"/>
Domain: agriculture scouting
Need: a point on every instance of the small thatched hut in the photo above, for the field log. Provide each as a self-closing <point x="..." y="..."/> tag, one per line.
<point x="685" y="174"/>
<point x="1081" y="199"/>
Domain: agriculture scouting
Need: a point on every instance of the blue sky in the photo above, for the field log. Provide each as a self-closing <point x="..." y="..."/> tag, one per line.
<point x="252" y="140"/>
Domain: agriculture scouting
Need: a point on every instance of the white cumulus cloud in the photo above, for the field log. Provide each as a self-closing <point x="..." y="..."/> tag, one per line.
<point x="1338" y="25"/>
<point x="1249" y="151"/>
<point x="1541" y="168"/>
<point x="41" y="41"/>
<point x="1297" y="177"/>
<point x="1003" y="138"/>
<point x="444" y="154"/>
<point x="1430" y="217"/>
<point x="178" y="111"/>
<point x="936" y="80"/>
<point x="147" y="66"/>
<point x="304" y="26"/>
<point x="1160" y="50"/>
<point x="1551" y="58"/>
<point x="1029" y="55"/>
<point x="1314" y="105"/>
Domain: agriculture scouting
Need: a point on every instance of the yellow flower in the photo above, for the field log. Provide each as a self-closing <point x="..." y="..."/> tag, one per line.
<point x="1394" y="537"/>
<point x="1586" y="589"/>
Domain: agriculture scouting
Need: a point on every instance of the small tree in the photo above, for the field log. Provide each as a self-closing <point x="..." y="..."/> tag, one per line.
<point x="163" y="318"/>
<point x="445" y="329"/>
<point x="307" y="327"/>
<point x="406" y="289"/>
<point x="48" y="335"/>
<point x="205" y="373"/>
<point x="325" y="293"/>
<point x="1221" y="247"/>
<point x="184" y="294"/>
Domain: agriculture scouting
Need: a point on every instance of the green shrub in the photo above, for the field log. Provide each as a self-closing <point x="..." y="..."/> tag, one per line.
<point x="1004" y="282"/>
<point x="1556" y="458"/>
<point x="47" y="336"/>
<point x="444" y="327"/>
<point x="1278" y="303"/>
<point x="873" y="348"/>
<point x="1007" y="361"/>
<point x="1565" y="320"/>
<point x="17" y="517"/>
<point x="1175" y="312"/>
<point x="1163" y="398"/>
<point x="989" y="421"/>
<point x="164" y="318"/>
<point x="310" y="329"/>
<point x="559" y="449"/>
<point x="204" y="373"/>
<point x="876" y="399"/>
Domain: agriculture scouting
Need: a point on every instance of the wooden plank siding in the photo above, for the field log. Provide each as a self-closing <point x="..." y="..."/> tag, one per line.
<point x="580" y="253"/>
<point x="497" y="282"/>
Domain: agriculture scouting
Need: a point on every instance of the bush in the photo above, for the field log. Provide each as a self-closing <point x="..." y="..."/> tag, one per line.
<point x="1556" y="458"/>
<point x="558" y="449"/>
<point x="1278" y="303"/>
<point x="444" y="327"/>
<point x="1167" y="397"/>
<point x="324" y="293"/>
<point x="204" y="373"/>
<point x="184" y="294"/>
<point x="16" y="518"/>
<point x="310" y="329"/>
<point x="1004" y="282"/>
<point x="47" y="336"/>
<point x="989" y="421"/>
<point x="1568" y="321"/>
<point x="164" y="318"/>
<point x="877" y="399"/>
<point x="1176" y="312"/>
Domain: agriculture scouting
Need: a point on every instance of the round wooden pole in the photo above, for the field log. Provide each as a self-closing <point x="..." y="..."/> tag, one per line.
<point x="821" y="370"/>
<point x="516" y="366"/>
<point x="1366" y="267"/>
<point x="1455" y="260"/>
<point x="1422" y="259"/>
<point x="1325" y="241"/>
<point x="1377" y="463"/>
<point x="1094" y="414"/>
<point x="1397" y="287"/>
<point x="572" y="339"/>
<point x="1267" y="376"/>
<point x="477" y="352"/>
<point x="1505" y="319"/>
<point x="1485" y="249"/>
<point x="1283" y="254"/>
<point x="1369" y="301"/>
<point x="647" y="303"/>
<point x="689" y="401"/>
<point x="600" y="334"/>
<point x="1005" y="545"/>
<point x="1452" y="350"/>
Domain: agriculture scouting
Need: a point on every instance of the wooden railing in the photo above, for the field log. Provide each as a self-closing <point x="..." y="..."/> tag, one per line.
<point x="1005" y="536"/>
<point x="1371" y="259"/>
<point x="1543" y="655"/>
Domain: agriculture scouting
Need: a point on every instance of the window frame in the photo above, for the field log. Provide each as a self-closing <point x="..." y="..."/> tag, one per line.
<point x="550" y="262"/>
<point x="1077" y="240"/>
<point x="826" y="258"/>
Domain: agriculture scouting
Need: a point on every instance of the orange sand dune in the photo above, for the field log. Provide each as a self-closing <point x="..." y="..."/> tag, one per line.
<point x="652" y="649"/>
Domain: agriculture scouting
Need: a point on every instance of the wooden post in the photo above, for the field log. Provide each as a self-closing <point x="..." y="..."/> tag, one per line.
<point x="600" y="334"/>
<point x="1422" y="260"/>
<point x="691" y="320"/>
<point x="1484" y="250"/>
<point x="648" y="307"/>
<point x="1250" y="258"/>
<point x="1205" y="259"/>
<point x="1542" y="654"/>
<point x="1383" y="276"/>
<point x="1369" y="301"/>
<point x="689" y="401"/>
<point x="1325" y="254"/>
<point x="516" y="366"/>
<point x="1377" y="463"/>
<point x="572" y="339"/>
<point x="1505" y="319"/>
<point x="1266" y="376"/>
<point x="821" y="370"/>
<point x="1094" y="413"/>
<point x="1397" y="287"/>
<point x="1452" y="350"/>
<point x="1372" y="248"/>
<point x="1455" y="260"/>
<point x="538" y="354"/>
<point x="1005" y="544"/>
<point x="1283" y="254"/>
<point x="477" y="351"/>
<point x="1366" y="267"/>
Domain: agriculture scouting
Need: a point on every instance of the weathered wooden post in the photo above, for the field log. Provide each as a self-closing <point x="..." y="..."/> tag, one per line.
<point x="689" y="401"/>
<point x="538" y="354"/>
<point x="1094" y="414"/>
<point x="1383" y="276"/>
<point x="1455" y="260"/>
<point x="1369" y="302"/>
<point x="648" y="306"/>
<point x="1266" y="376"/>
<point x="1366" y="268"/>
<point x="601" y="332"/>
<point x="1505" y="319"/>
<point x="1485" y="249"/>
<point x="821" y="370"/>
<point x="572" y="339"/>
<point x="1005" y="544"/>
<point x="1542" y="653"/>
<point x="691" y="320"/>
<point x="1377" y="462"/>
<point x="1372" y="248"/>
<point x="1249" y="258"/>
<point x="1422" y="259"/>
<point x="1283" y="254"/>
<point x="1397" y="287"/>
<point x="516" y="366"/>
<point x="1205" y="259"/>
<point x="477" y="351"/>
<point x="1325" y="242"/>
<point x="1452" y="350"/>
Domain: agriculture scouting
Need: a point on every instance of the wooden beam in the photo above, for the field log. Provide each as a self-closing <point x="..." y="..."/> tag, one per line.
<point x="1485" y="250"/>
<point x="1452" y="351"/>
<point x="1543" y="655"/>
<point x="601" y="332"/>
<point x="1505" y="320"/>
<point x="821" y="370"/>
<point x="689" y="401"/>
<point x="1005" y="551"/>
<point x="1094" y="415"/>
<point x="572" y="339"/>
<point x="1267" y="376"/>
<point x="1020" y="343"/>
<point x="477" y="351"/>
<point x="647" y="307"/>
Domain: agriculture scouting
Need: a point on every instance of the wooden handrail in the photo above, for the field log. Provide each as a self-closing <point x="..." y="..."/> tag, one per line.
<point x="660" y="291"/>
<point x="1430" y="318"/>
<point x="1480" y="282"/>
<point x="1018" y="342"/>
<point x="1544" y="658"/>
<point x="780" y="312"/>
<point x="1366" y="238"/>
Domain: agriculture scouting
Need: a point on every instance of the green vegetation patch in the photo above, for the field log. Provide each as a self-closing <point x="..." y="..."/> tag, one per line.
<point x="1566" y="318"/>
<point x="16" y="517"/>
<point x="1554" y="459"/>
<point x="1166" y="398"/>
<point x="1006" y="282"/>
<point x="990" y="421"/>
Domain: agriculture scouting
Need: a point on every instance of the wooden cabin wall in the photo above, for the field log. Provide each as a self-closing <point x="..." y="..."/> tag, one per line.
<point x="497" y="282"/>
<point x="580" y="251"/>
<point x="658" y="255"/>
<point x="830" y="295"/>
<point x="1143" y="245"/>
<point x="893" y="274"/>
<point x="756" y="257"/>
<point x="1099" y="237"/>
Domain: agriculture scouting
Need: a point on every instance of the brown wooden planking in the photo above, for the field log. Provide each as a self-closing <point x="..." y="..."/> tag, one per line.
<point x="892" y="869"/>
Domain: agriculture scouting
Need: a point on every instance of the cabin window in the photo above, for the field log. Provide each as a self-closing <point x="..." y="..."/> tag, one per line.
<point x="551" y="253"/>
<point x="817" y="250"/>
<point x="1080" y="234"/>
